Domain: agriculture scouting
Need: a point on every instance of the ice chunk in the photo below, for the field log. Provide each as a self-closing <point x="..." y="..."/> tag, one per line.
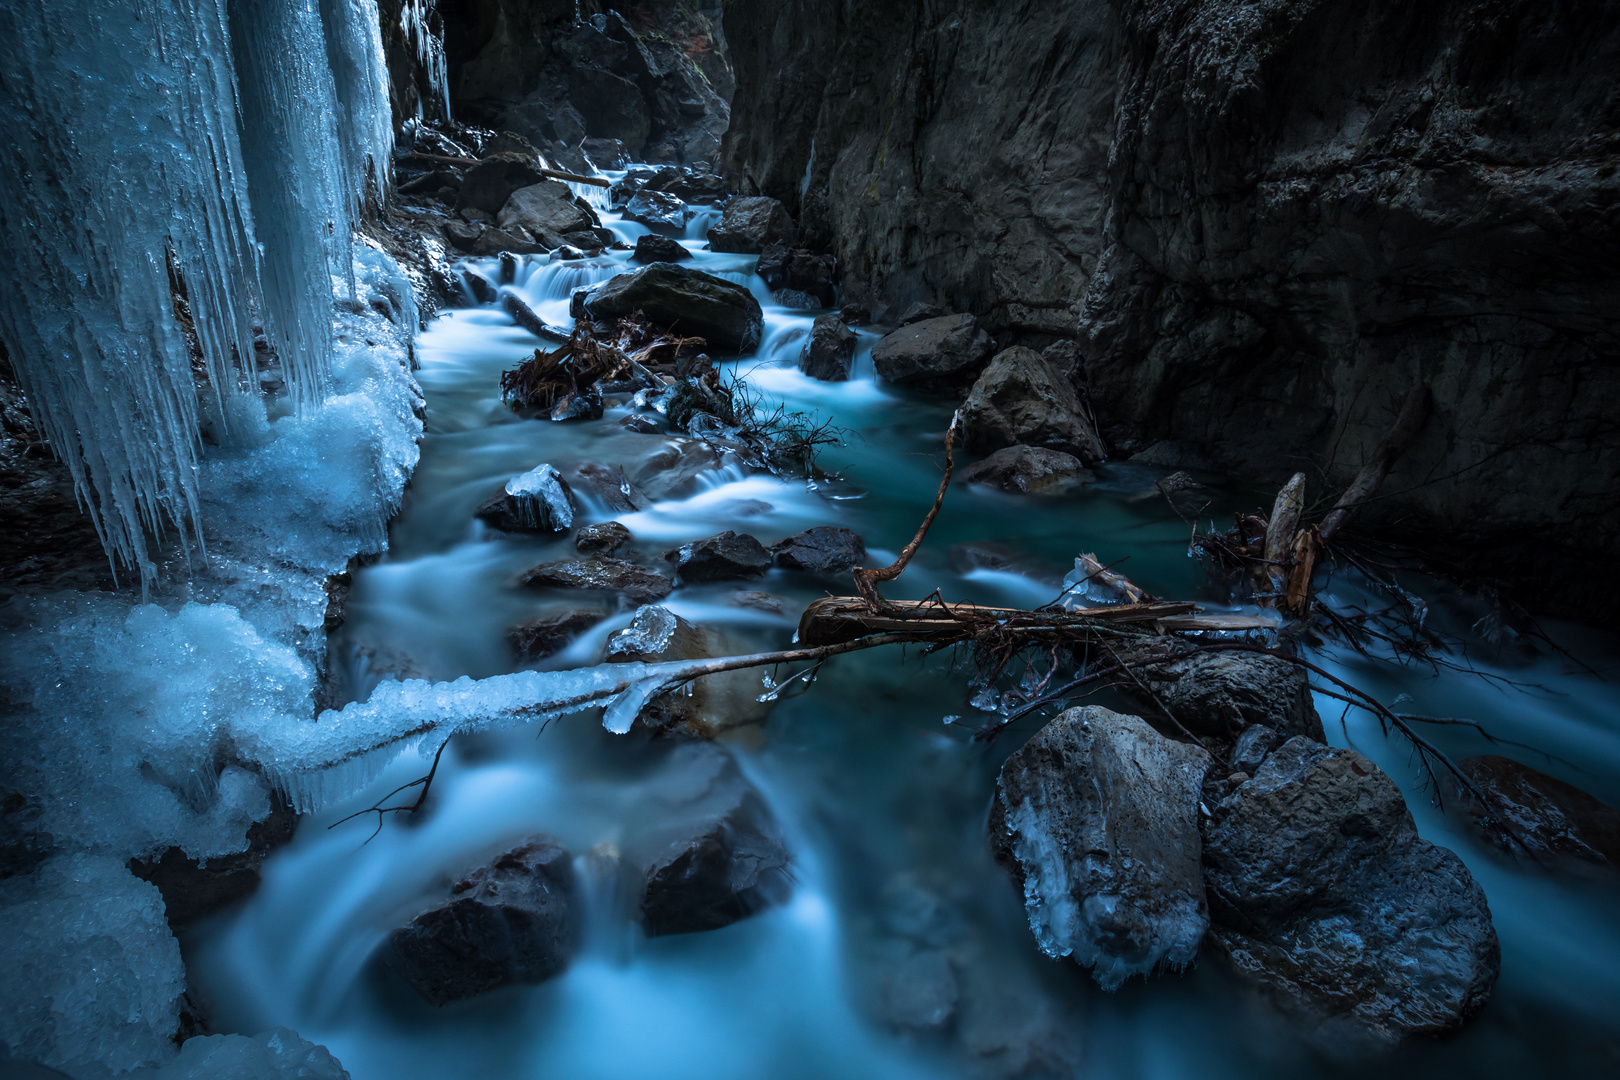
<point x="277" y="1054"/>
<point x="649" y="633"/>
<point x="93" y="977"/>
<point x="539" y="500"/>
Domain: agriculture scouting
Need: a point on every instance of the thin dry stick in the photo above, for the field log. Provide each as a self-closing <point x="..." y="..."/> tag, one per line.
<point x="866" y="581"/>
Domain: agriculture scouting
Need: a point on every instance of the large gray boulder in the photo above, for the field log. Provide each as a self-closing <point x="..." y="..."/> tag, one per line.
<point x="829" y="351"/>
<point x="512" y="921"/>
<point x="1097" y="817"/>
<point x="549" y="213"/>
<point x="1322" y="892"/>
<point x="491" y="182"/>
<point x="1220" y="693"/>
<point x="751" y="224"/>
<point x="1019" y="399"/>
<point x="684" y="301"/>
<point x="934" y="352"/>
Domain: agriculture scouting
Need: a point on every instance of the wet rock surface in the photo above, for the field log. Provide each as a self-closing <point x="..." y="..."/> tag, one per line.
<point x="727" y="556"/>
<point x="1221" y="693"/>
<point x="751" y="224"/>
<point x="933" y="353"/>
<point x="550" y="634"/>
<point x="825" y="549"/>
<point x="194" y="889"/>
<point x="713" y="703"/>
<point x="487" y="185"/>
<point x="658" y="210"/>
<point x="1029" y="470"/>
<point x="829" y="351"/>
<point x="1096" y="817"/>
<point x="550" y="215"/>
<point x="512" y="921"/>
<point x="1533" y="816"/>
<point x="684" y="301"/>
<point x="720" y="865"/>
<point x="602" y="539"/>
<point x="537" y="501"/>
<point x="1322" y="893"/>
<point x="602" y="574"/>
<point x="800" y="271"/>
<point x="652" y="248"/>
<point x="1020" y="400"/>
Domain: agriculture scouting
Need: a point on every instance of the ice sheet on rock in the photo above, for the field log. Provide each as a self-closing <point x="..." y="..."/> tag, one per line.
<point x="539" y="500"/>
<point x="277" y="1054"/>
<point x="647" y="635"/>
<point x="93" y="977"/>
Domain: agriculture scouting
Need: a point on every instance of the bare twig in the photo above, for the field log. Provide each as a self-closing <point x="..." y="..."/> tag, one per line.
<point x="867" y="581"/>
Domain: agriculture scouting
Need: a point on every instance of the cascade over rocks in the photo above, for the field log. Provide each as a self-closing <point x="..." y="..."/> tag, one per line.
<point x="683" y="301"/>
<point x="933" y="353"/>
<point x="752" y="223"/>
<point x="1096" y="817"/>
<point x="1028" y="470"/>
<point x="512" y="921"/>
<point x="1321" y="892"/>
<point x="829" y="351"/>
<point x="1020" y="400"/>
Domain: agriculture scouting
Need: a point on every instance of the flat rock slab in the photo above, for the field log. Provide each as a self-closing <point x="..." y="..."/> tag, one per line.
<point x="683" y="301"/>
<point x="1097" y="817"/>
<point x="1322" y="892"/>
<point x="933" y="353"/>
<point x="611" y="575"/>
<point x="727" y="556"/>
<point x="512" y="921"/>
<point x="1029" y="470"/>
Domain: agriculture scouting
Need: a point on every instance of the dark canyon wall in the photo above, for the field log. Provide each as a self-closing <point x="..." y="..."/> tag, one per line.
<point x="1263" y="222"/>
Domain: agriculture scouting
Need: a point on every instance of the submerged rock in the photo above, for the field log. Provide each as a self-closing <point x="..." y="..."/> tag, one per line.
<point x="1220" y="693"/>
<point x="719" y="865"/>
<point x="1028" y="470"/>
<point x="659" y="211"/>
<point x="611" y="486"/>
<point x="1539" y="817"/>
<point x="537" y="501"/>
<point x="825" y="549"/>
<point x="829" y="351"/>
<point x="550" y="634"/>
<point x="652" y="248"/>
<point x="933" y="353"/>
<point x="610" y="575"/>
<point x="602" y="539"/>
<point x="1020" y="400"/>
<point x="710" y="704"/>
<point x="512" y="921"/>
<point x="727" y="556"/>
<point x="1097" y="817"/>
<point x="683" y="301"/>
<point x="750" y="224"/>
<point x="1322" y="892"/>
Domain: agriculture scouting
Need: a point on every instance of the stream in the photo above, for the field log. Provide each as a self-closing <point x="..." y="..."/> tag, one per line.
<point x="903" y="951"/>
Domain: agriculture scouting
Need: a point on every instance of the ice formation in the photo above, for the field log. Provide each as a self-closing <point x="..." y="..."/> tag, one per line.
<point x="277" y="1054"/>
<point x="540" y="501"/>
<point x="126" y="240"/>
<point x="415" y="19"/>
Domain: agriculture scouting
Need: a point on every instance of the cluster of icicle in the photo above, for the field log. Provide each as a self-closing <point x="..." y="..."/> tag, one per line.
<point x="218" y="150"/>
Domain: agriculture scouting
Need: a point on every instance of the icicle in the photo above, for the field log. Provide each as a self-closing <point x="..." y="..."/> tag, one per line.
<point x="416" y="19"/>
<point x="354" y="50"/>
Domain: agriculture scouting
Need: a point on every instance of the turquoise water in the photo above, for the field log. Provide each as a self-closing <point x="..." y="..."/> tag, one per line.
<point x="881" y="801"/>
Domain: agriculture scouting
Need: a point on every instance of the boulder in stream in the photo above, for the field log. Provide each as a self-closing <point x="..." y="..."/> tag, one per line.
<point x="683" y="301"/>
<point x="1322" y="892"/>
<point x="1220" y="693"/>
<point x="488" y="184"/>
<point x="727" y="556"/>
<point x="549" y="634"/>
<point x="709" y="705"/>
<point x="659" y="211"/>
<point x="934" y="353"/>
<point x="692" y="185"/>
<point x="537" y="501"/>
<point x="825" y="549"/>
<point x="512" y="921"/>
<point x="1531" y="815"/>
<point x="719" y="859"/>
<point x="783" y="267"/>
<point x="1028" y="470"/>
<point x="651" y="248"/>
<point x="829" y="351"/>
<point x="1019" y="399"/>
<point x="609" y="575"/>
<point x="1096" y="816"/>
<point x="550" y="213"/>
<point x="603" y="538"/>
<point x="750" y="224"/>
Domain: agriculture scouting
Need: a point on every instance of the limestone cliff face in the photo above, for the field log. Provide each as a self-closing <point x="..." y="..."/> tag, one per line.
<point x="1264" y="222"/>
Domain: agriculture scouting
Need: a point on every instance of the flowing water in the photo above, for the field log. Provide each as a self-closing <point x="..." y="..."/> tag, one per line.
<point x="898" y="915"/>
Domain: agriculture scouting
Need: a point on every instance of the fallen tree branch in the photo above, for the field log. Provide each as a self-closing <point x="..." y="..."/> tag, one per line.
<point x="867" y="581"/>
<point x="555" y="174"/>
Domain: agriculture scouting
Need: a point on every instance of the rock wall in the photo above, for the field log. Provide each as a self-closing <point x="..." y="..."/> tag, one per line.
<point x="1263" y="223"/>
